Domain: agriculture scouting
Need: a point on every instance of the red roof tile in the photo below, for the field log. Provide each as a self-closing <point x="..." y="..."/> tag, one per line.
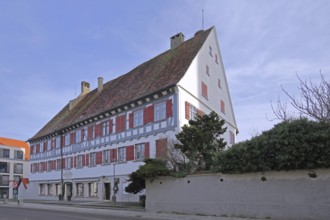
<point x="158" y="73"/>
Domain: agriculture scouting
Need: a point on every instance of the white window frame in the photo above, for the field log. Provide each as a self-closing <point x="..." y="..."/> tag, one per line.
<point x="78" y="136"/>
<point x="67" y="139"/>
<point x="68" y="163"/>
<point x="92" y="159"/>
<point x="41" y="147"/>
<point x="106" y="157"/>
<point x="105" y="128"/>
<point x="160" y="111"/>
<point x="139" y="151"/>
<point x="58" y="141"/>
<point x="138" y="118"/>
<point x="122" y="154"/>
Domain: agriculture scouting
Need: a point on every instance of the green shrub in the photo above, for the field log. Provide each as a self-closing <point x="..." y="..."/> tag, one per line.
<point x="290" y="145"/>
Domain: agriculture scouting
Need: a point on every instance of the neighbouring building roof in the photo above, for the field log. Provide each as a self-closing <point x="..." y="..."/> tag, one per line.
<point x="158" y="73"/>
<point x="16" y="143"/>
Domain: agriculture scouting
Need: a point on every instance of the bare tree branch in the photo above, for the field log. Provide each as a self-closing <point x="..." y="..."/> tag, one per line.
<point x="313" y="101"/>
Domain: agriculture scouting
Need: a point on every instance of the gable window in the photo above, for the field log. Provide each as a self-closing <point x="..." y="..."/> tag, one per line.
<point x="138" y="118"/>
<point x="231" y="137"/>
<point x="222" y="106"/>
<point x="106" y="156"/>
<point x="207" y="70"/>
<point x="219" y="83"/>
<point x="204" y="90"/>
<point x="216" y="59"/>
<point x="122" y="154"/>
<point x="192" y="112"/>
<point x="92" y="159"/>
<point x="160" y="111"/>
<point x="210" y="51"/>
<point x="139" y="151"/>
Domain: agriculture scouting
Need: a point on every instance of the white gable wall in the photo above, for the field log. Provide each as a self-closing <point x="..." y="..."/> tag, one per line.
<point x="190" y="86"/>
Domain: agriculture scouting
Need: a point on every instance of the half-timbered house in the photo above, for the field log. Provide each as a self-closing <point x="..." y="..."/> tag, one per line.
<point x="104" y="134"/>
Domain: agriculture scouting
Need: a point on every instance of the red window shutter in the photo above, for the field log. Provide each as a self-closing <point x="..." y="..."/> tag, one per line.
<point x="71" y="138"/>
<point x="87" y="159"/>
<point x="222" y="106"/>
<point x="148" y="114"/>
<point x="113" y="156"/>
<point x="204" y="90"/>
<point x="45" y="145"/>
<point x="98" y="130"/>
<point x="187" y="105"/>
<point x="130" y="153"/>
<point x="120" y="123"/>
<point x="99" y="157"/>
<point x="146" y="150"/>
<point x="131" y="120"/>
<point x="62" y="141"/>
<point x="90" y="133"/>
<point x="110" y="126"/>
<point x="161" y="147"/>
<point x="38" y="148"/>
<point x="200" y="112"/>
<point x="71" y="162"/>
<point x="169" y="111"/>
<point x="83" y="163"/>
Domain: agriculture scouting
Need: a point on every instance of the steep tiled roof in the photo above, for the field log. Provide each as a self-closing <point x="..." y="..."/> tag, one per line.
<point x="16" y="143"/>
<point x="158" y="73"/>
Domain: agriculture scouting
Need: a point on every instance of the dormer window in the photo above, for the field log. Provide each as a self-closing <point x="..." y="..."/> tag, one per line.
<point x="210" y="51"/>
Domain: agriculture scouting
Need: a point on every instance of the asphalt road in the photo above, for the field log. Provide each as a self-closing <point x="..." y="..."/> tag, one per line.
<point x="21" y="213"/>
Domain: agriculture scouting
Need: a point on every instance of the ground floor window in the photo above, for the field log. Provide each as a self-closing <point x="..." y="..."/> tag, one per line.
<point x="50" y="189"/>
<point x="79" y="189"/>
<point x="42" y="189"/>
<point x="92" y="189"/>
<point x="58" y="189"/>
<point x="4" y="192"/>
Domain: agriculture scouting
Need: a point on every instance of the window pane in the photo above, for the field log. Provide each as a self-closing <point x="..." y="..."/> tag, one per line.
<point x="18" y="168"/>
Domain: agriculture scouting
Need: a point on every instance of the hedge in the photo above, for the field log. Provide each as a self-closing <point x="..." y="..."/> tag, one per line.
<point x="290" y="145"/>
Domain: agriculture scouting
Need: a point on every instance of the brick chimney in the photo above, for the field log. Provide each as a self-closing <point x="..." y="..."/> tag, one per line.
<point x="176" y="40"/>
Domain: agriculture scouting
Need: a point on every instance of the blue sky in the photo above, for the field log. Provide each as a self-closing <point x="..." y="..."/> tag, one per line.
<point x="48" y="47"/>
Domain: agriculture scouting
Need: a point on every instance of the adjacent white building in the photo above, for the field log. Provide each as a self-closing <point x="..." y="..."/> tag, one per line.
<point x="14" y="166"/>
<point x="103" y="135"/>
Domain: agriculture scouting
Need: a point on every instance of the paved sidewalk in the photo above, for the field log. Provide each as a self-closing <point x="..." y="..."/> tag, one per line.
<point x="120" y="209"/>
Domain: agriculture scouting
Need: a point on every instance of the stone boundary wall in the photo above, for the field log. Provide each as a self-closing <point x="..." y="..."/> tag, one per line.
<point x="298" y="195"/>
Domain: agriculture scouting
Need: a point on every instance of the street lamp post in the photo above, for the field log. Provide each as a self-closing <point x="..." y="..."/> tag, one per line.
<point x="115" y="187"/>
